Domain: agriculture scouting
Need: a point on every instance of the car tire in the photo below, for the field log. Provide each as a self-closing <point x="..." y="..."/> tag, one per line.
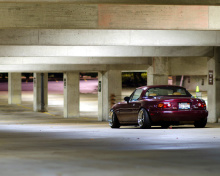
<point x="144" y="119"/>
<point x="201" y="123"/>
<point x="114" y="123"/>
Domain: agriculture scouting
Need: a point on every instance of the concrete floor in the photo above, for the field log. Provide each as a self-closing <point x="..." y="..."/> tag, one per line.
<point x="44" y="144"/>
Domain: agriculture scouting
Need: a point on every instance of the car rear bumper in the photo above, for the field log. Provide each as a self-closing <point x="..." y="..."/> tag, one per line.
<point x="178" y="116"/>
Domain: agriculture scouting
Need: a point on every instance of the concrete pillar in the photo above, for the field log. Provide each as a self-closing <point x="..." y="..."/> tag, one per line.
<point x="111" y="84"/>
<point x="157" y="74"/>
<point x="71" y="94"/>
<point x="14" y="88"/>
<point x="100" y="96"/>
<point x="213" y="65"/>
<point x="40" y="92"/>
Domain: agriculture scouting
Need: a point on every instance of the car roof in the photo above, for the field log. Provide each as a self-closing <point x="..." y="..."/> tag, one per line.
<point x="153" y="86"/>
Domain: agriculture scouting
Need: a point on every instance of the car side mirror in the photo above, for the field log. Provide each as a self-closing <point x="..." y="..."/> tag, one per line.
<point x="127" y="99"/>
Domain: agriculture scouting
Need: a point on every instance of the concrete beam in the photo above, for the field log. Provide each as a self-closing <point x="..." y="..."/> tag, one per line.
<point x="153" y="2"/>
<point x="108" y="16"/>
<point x="68" y="67"/>
<point x="74" y="60"/>
<point x="68" y="37"/>
<point x="188" y="66"/>
<point x="102" y="51"/>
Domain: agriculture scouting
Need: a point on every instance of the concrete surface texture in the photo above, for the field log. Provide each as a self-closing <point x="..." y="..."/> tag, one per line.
<point x="99" y="51"/>
<point x="44" y="144"/>
<point x="108" y="16"/>
<point x="14" y="88"/>
<point x="71" y="94"/>
<point x="188" y="66"/>
<point x="82" y="37"/>
<point x="38" y="104"/>
<point x="179" y="2"/>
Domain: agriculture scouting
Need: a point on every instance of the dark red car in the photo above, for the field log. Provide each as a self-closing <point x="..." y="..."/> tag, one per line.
<point x="162" y="105"/>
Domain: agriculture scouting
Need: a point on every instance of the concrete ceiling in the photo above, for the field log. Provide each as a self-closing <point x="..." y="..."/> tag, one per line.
<point x="163" y="2"/>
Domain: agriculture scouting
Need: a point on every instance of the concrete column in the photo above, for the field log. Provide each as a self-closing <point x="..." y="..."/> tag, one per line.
<point x="158" y="72"/>
<point x="100" y="96"/>
<point x="213" y="65"/>
<point x="14" y="88"/>
<point x="40" y="83"/>
<point x="112" y="84"/>
<point x="71" y="94"/>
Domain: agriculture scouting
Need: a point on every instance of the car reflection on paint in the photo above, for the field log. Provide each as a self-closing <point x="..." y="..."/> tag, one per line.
<point x="162" y="105"/>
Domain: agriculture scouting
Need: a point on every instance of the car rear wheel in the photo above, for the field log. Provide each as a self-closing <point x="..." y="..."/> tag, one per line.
<point x="144" y="119"/>
<point x="114" y="123"/>
<point x="201" y="123"/>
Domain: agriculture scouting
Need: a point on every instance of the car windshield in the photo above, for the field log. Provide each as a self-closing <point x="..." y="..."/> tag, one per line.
<point x="136" y="94"/>
<point x="167" y="91"/>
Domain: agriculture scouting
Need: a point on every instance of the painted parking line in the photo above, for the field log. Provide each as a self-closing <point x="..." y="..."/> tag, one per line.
<point x="48" y="113"/>
<point x="24" y="106"/>
<point x="32" y="109"/>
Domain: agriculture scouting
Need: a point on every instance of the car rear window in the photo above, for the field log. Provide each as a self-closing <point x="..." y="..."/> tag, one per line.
<point x="167" y="91"/>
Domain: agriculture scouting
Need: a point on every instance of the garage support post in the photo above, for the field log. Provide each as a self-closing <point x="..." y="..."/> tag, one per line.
<point x="112" y="87"/>
<point x="157" y="73"/>
<point x="71" y="94"/>
<point x="100" y="96"/>
<point x="40" y="83"/>
<point x="213" y="65"/>
<point x="14" y="88"/>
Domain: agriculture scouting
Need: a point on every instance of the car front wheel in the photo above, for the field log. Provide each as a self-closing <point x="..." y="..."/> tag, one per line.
<point x="144" y="119"/>
<point x="113" y="123"/>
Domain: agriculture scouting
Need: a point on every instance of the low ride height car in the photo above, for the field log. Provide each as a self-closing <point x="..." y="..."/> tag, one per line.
<point x="159" y="105"/>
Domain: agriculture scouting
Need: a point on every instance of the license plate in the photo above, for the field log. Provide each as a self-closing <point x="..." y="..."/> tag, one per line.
<point x="184" y="105"/>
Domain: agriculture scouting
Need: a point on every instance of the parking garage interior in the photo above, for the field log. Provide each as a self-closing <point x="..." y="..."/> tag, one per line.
<point x="60" y="127"/>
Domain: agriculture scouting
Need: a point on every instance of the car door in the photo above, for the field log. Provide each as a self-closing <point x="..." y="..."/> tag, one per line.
<point x="129" y="111"/>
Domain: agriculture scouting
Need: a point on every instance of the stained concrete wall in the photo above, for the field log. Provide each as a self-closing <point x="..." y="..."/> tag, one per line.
<point x="157" y="74"/>
<point x="190" y="83"/>
<point x="188" y="66"/>
<point x="165" y="2"/>
<point x="108" y="16"/>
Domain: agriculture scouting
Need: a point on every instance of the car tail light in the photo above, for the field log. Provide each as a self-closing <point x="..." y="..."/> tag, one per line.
<point x="160" y="105"/>
<point x="164" y="105"/>
<point x="201" y="105"/>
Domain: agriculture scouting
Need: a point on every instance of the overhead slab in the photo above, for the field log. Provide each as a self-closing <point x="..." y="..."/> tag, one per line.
<point x="94" y="37"/>
<point x="103" y="51"/>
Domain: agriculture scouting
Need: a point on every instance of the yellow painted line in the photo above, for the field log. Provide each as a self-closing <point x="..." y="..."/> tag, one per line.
<point x="48" y="114"/>
<point x="31" y="109"/>
<point x="85" y="118"/>
<point x="24" y="106"/>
